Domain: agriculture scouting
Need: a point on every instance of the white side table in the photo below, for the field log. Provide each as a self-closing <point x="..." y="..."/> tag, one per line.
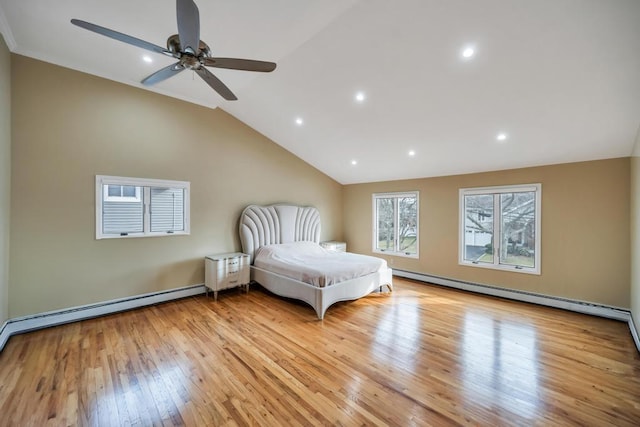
<point x="335" y="246"/>
<point x="228" y="270"/>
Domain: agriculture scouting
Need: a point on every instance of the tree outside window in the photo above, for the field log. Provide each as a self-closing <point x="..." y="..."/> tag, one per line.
<point x="500" y="227"/>
<point x="396" y="223"/>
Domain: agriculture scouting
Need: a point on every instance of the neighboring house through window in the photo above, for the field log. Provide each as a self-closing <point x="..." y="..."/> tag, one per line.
<point x="138" y="207"/>
<point x="395" y="223"/>
<point x="500" y="227"/>
<point x="121" y="193"/>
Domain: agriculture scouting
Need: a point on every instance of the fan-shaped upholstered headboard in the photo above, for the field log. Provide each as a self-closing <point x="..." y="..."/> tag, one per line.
<point x="267" y="225"/>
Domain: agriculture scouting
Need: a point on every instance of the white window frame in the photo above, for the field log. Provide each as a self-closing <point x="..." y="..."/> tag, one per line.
<point x="496" y="192"/>
<point x="108" y="198"/>
<point x="397" y="196"/>
<point x="146" y="184"/>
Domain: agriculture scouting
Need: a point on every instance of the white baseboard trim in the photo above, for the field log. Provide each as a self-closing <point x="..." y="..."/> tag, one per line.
<point x="52" y="318"/>
<point x="4" y="334"/>
<point x="546" y="300"/>
<point x="634" y="332"/>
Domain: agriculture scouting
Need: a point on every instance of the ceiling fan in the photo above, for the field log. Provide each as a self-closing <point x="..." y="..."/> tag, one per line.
<point x="186" y="46"/>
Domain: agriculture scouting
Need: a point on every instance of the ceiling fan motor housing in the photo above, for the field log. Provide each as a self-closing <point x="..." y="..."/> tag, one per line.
<point x="187" y="59"/>
<point x="173" y="45"/>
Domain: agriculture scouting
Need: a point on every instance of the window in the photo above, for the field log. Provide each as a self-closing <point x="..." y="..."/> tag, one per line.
<point x="137" y="207"/>
<point x="121" y="193"/>
<point x="395" y="223"/>
<point x="500" y="227"/>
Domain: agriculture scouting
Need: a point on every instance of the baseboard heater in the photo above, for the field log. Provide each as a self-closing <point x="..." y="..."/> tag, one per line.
<point x="530" y="297"/>
<point x="54" y="318"/>
<point x="24" y="324"/>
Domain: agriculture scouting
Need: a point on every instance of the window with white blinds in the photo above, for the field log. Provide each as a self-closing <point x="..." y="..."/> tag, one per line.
<point x="139" y="207"/>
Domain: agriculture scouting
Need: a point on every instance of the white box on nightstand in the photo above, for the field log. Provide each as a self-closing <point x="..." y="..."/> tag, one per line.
<point x="333" y="245"/>
<point x="223" y="271"/>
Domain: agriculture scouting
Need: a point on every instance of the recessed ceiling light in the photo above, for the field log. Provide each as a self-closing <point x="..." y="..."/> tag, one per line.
<point x="147" y="59"/>
<point x="501" y="137"/>
<point x="468" y="52"/>
<point x="299" y="121"/>
<point x="412" y="153"/>
<point x="360" y="96"/>
<point x="354" y="162"/>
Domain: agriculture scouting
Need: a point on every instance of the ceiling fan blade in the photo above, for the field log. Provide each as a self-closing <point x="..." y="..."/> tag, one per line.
<point x="240" y="64"/>
<point x="188" y="25"/>
<point x="216" y="84"/>
<point x="163" y="74"/>
<point x="122" y="37"/>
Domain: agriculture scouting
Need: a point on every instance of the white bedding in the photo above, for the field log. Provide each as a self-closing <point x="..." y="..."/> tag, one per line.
<point x="310" y="263"/>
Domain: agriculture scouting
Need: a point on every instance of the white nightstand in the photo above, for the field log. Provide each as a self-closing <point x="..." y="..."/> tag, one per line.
<point x="333" y="245"/>
<point x="223" y="271"/>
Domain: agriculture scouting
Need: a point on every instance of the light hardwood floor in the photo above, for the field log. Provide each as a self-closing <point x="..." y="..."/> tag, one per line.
<point x="423" y="355"/>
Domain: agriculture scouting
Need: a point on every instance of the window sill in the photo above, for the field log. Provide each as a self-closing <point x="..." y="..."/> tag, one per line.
<point x="398" y="254"/>
<point x="138" y="235"/>
<point x="509" y="268"/>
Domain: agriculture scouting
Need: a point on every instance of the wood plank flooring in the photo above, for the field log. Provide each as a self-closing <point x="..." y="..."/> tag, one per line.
<point x="423" y="355"/>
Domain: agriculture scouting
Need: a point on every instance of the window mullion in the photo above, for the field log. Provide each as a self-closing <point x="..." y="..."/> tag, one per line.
<point x="497" y="229"/>
<point x="146" y="221"/>
<point x="396" y="225"/>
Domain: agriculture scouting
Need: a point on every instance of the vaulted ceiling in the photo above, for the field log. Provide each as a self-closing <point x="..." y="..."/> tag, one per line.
<point x="548" y="81"/>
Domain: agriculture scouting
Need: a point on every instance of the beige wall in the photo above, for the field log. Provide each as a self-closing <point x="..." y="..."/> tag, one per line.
<point x="69" y="126"/>
<point x="585" y="229"/>
<point x="635" y="235"/>
<point x="5" y="175"/>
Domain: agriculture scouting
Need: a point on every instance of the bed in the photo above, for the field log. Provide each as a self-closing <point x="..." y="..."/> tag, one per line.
<point x="286" y="258"/>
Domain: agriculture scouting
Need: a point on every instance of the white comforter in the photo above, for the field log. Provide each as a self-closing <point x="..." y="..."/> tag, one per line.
<point x="310" y="263"/>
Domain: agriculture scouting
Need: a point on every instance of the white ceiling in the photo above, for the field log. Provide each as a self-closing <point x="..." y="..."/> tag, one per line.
<point x="560" y="77"/>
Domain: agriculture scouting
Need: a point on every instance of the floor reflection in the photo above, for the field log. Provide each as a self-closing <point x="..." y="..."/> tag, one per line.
<point x="500" y="364"/>
<point x="397" y="336"/>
